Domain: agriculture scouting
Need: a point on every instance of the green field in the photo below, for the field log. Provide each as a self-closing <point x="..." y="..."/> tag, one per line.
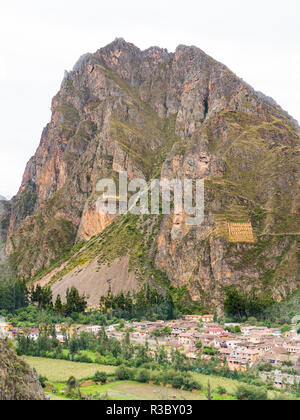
<point x="130" y="390"/>
<point x="61" y="370"/>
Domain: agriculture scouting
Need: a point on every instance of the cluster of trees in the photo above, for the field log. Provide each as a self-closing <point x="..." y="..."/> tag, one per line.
<point x="162" y="332"/>
<point x="147" y="303"/>
<point x="171" y="377"/>
<point x="234" y="330"/>
<point x="251" y="393"/>
<point x="42" y="296"/>
<point x="243" y="305"/>
<point x="175" y="378"/>
<point x="105" y="350"/>
<point x="13" y="294"/>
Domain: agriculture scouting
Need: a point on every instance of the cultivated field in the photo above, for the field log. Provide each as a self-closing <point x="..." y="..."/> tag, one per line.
<point x="61" y="370"/>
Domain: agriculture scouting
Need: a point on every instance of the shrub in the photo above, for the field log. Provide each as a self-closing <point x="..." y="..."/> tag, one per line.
<point x="177" y="382"/>
<point x="156" y="378"/>
<point x="190" y="385"/>
<point x="285" y="328"/>
<point x="100" y="377"/>
<point x="82" y="358"/>
<point x="221" y="390"/>
<point x="122" y="373"/>
<point x="266" y="367"/>
<point x="143" y="376"/>
<point x="43" y="381"/>
<point x="251" y="393"/>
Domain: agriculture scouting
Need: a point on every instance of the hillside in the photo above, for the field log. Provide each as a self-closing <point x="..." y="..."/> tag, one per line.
<point x="17" y="380"/>
<point x="158" y="114"/>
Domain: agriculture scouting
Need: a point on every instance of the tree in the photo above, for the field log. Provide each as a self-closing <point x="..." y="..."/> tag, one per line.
<point x="143" y="376"/>
<point x="127" y="339"/>
<point x="72" y="385"/>
<point x="122" y="373"/>
<point x="42" y="296"/>
<point x="208" y="392"/>
<point x="198" y="345"/>
<point x="100" y="377"/>
<point x="58" y="306"/>
<point x="73" y="345"/>
<point x="221" y="390"/>
<point x="43" y="380"/>
<point x="251" y="393"/>
<point x="177" y="381"/>
<point x="74" y="302"/>
<point x="285" y="328"/>
<point x="244" y="305"/>
<point x="13" y="294"/>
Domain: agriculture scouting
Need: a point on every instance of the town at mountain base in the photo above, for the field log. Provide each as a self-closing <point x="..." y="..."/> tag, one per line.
<point x="157" y="114"/>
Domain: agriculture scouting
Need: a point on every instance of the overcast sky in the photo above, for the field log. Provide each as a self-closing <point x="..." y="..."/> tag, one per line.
<point x="259" y="40"/>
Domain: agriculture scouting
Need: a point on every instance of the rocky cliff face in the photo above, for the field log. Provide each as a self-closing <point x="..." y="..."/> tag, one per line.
<point x="158" y="114"/>
<point x="17" y="380"/>
<point x="4" y="223"/>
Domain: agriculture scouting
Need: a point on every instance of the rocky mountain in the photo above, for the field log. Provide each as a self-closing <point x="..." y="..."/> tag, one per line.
<point x="17" y="380"/>
<point x="4" y="223"/>
<point x="158" y="114"/>
<point x="2" y="198"/>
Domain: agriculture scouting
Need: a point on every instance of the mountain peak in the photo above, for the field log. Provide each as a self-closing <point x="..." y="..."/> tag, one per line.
<point x="175" y="115"/>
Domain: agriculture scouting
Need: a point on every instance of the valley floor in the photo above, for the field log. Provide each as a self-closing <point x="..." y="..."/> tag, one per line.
<point x="59" y="371"/>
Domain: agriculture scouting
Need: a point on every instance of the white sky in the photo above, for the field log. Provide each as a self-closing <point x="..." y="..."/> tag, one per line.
<point x="258" y="39"/>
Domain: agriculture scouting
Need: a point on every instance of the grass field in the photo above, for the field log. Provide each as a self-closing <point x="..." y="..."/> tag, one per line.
<point x="130" y="390"/>
<point x="61" y="370"/>
<point x="229" y="384"/>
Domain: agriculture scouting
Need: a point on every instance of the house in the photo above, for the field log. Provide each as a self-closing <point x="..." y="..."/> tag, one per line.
<point x="232" y="343"/>
<point x="185" y="339"/>
<point x="276" y="356"/>
<point x="192" y="317"/>
<point x="203" y="318"/>
<point x="207" y="318"/>
<point x="215" y="331"/>
<point x="4" y="328"/>
<point x="292" y="348"/>
<point x="264" y="347"/>
<point x="224" y="353"/>
<point x="237" y="363"/>
<point x="281" y="380"/>
<point x="34" y="334"/>
<point x="111" y="328"/>
<point x="250" y="355"/>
